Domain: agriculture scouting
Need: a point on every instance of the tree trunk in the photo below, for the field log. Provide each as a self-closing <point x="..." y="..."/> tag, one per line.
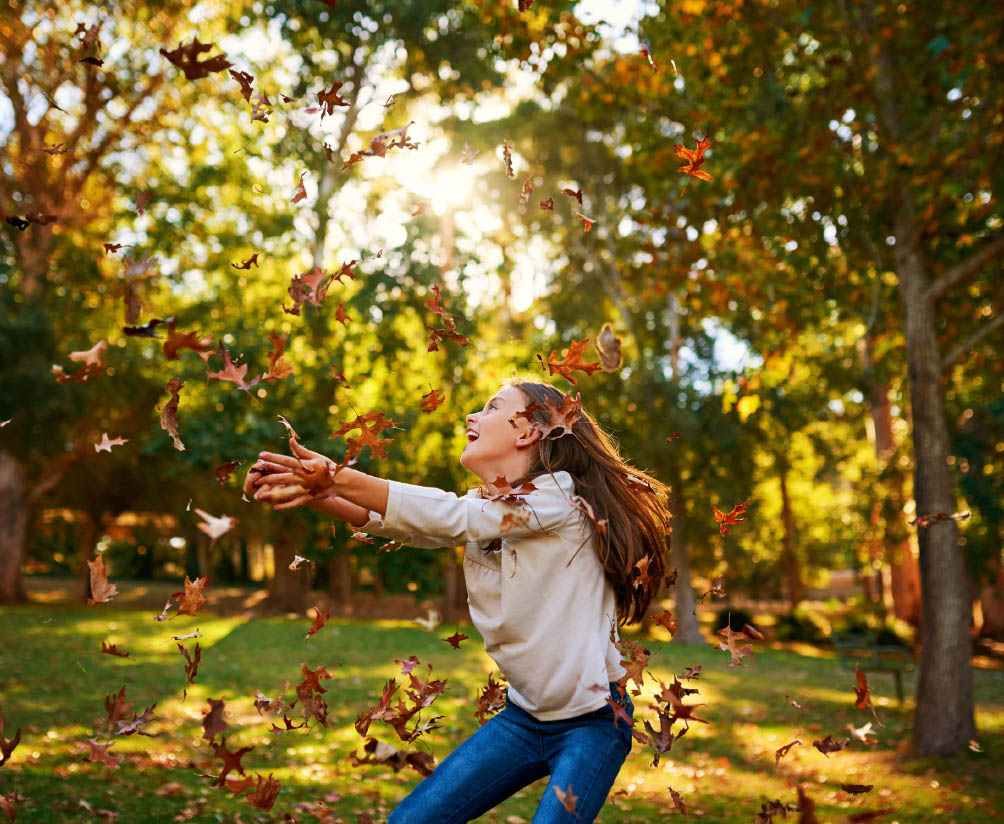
<point x="688" y="629"/>
<point x="13" y="519"/>
<point x="789" y="558"/>
<point x="992" y="602"/>
<point x="288" y="589"/>
<point x="944" y="721"/>
<point x="905" y="572"/>
<point x="340" y="580"/>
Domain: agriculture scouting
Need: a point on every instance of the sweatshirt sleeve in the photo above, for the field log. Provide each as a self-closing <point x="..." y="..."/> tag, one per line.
<point x="442" y="516"/>
<point x="376" y="526"/>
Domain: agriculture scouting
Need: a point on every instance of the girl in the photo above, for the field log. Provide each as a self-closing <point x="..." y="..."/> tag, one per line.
<point x="548" y="576"/>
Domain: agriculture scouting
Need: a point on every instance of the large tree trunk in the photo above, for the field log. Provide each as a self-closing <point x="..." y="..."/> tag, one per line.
<point x="288" y="589"/>
<point x="905" y="572"/>
<point x="789" y="557"/>
<point x="944" y="721"/>
<point x="340" y="580"/>
<point x="13" y="519"/>
<point x="688" y="629"/>
<point x="992" y="601"/>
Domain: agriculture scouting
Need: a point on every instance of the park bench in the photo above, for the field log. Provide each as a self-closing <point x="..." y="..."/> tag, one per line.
<point x="856" y="650"/>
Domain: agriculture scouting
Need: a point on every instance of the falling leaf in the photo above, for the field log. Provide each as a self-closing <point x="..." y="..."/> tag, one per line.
<point x="728" y="642"/>
<point x="781" y="752"/>
<point x="278" y="369"/>
<point x="455" y="639"/>
<point x="308" y="287"/>
<point x="8" y="801"/>
<point x="212" y="720"/>
<point x="731" y="517"/>
<point x="225" y="470"/>
<point x="469" y="154"/>
<point x="111" y="649"/>
<point x="645" y="53"/>
<point x="299" y="193"/>
<point x="526" y="190"/>
<point x="547" y="205"/>
<point x="98" y="753"/>
<point x="101" y="590"/>
<point x="828" y="745"/>
<point x="678" y="801"/>
<point x="694" y="158"/>
<point x="298" y="561"/>
<point x="231" y="760"/>
<point x="507" y="158"/>
<point x="573" y="193"/>
<point x="566" y="798"/>
<point x="246" y="81"/>
<point x="587" y="222"/>
<point x="432" y="620"/>
<point x="857" y="789"/>
<point x="265" y="793"/>
<point x="169" y="413"/>
<point x="320" y="619"/>
<point x="609" y="347"/>
<point x="107" y="443"/>
<point x="147" y="330"/>
<point x="214" y="526"/>
<point x="938" y="517"/>
<point x="247" y="263"/>
<point x="191" y="600"/>
<point x="232" y="372"/>
<point x="7" y="745"/>
<point x="571" y="361"/>
<point x="432" y="400"/>
<point x="340" y="315"/>
<point x="491" y="700"/>
<point x="186" y="58"/>
<point x="92" y="360"/>
<point x="329" y="99"/>
<point x="112" y="247"/>
<point x="176" y="341"/>
<point x="191" y="665"/>
<point x="665" y="620"/>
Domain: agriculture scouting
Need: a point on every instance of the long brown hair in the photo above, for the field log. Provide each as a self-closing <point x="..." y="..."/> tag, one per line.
<point x="633" y="503"/>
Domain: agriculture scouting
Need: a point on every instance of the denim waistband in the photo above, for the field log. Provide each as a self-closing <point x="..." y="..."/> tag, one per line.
<point x="599" y="711"/>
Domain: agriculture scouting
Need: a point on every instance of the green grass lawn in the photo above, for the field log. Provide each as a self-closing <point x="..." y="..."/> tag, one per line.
<point x="53" y="682"/>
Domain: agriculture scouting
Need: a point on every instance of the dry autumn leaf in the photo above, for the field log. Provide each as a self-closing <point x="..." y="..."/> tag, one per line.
<point x="215" y="526"/>
<point x="101" y="590"/>
<point x="723" y="519"/>
<point x="320" y="619"/>
<point x="694" y="158"/>
<point x="186" y="58"/>
<point x="169" y="412"/>
<point x="571" y="362"/>
<point x="107" y="443"/>
<point x="609" y="347"/>
<point x="7" y="745"/>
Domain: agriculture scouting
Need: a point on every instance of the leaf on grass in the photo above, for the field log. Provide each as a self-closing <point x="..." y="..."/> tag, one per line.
<point x="101" y="590"/>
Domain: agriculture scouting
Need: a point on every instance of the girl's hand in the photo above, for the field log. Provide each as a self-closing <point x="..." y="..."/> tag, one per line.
<point x="280" y="484"/>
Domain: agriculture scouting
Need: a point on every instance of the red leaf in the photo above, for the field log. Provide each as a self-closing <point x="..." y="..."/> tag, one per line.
<point x="694" y="158"/>
<point x="111" y="649"/>
<point x="571" y="362"/>
<point x="455" y="639"/>
<point x="432" y="400"/>
<point x="731" y="517"/>
<point x="320" y="619"/>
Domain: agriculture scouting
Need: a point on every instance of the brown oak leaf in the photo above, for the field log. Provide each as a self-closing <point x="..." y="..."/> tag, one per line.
<point x="571" y="361"/>
<point x="101" y="590"/>
<point x="169" y="412"/>
<point x="186" y="58"/>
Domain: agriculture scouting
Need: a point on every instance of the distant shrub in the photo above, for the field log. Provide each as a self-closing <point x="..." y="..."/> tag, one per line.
<point x="734" y="617"/>
<point x="801" y="625"/>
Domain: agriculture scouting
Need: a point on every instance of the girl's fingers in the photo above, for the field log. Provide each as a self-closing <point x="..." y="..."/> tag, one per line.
<point x="278" y="478"/>
<point x="250" y="480"/>
<point x="269" y="466"/>
<point x="300" y="501"/>
<point x="283" y="460"/>
<point x="302" y="451"/>
<point x="279" y="493"/>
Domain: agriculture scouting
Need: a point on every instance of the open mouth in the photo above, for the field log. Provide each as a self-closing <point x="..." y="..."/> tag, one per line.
<point x="471" y="436"/>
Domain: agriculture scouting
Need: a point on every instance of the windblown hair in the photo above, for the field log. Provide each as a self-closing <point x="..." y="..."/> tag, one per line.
<point x="634" y="504"/>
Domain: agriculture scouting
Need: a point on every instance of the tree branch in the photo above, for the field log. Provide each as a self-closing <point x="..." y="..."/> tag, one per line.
<point x="984" y="331"/>
<point x="968" y="267"/>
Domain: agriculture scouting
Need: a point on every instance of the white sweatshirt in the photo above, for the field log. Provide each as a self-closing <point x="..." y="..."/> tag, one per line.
<point x="545" y="622"/>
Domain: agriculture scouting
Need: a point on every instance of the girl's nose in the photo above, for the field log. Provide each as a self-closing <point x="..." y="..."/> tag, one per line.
<point x="470" y="418"/>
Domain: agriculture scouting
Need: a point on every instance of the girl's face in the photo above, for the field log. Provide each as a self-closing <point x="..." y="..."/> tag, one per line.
<point x="494" y="445"/>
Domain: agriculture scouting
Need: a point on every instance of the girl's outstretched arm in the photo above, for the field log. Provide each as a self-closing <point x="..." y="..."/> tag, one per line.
<point x="367" y="492"/>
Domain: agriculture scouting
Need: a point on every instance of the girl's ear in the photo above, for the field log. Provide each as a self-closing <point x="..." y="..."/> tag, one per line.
<point x="527" y="438"/>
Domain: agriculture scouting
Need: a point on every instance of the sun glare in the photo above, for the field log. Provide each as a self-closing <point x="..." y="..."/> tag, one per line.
<point x="451" y="188"/>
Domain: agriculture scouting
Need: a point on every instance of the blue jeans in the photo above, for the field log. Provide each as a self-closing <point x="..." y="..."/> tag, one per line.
<point x="513" y="750"/>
